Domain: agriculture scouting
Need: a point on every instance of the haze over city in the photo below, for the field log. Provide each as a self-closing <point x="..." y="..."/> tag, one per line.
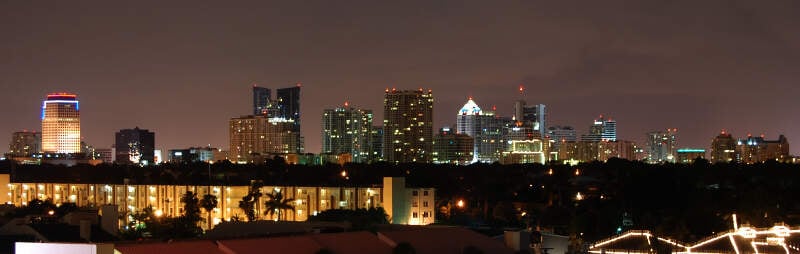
<point x="183" y="69"/>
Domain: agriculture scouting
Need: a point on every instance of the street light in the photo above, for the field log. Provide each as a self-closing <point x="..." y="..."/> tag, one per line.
<point x="460" y="203"/>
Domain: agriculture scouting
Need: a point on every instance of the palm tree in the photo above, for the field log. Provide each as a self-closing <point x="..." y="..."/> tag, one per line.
<point x="276" y="203"/>
<point x="248" y="202"/>
<point x="209" y="202"/>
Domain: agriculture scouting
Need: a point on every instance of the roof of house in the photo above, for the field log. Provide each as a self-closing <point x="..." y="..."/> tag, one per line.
<point x="284" y="245"/>
<point x="352" y="242"/>
<point x="426" y="240"/>
<point x="189" y="247"/>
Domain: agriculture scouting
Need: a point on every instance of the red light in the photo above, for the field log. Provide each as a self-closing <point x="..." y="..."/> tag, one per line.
<point x="346" y="104"/>
<point x="299" y="84"/>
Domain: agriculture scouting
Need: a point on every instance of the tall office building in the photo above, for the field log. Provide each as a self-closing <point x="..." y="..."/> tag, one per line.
<point x="534" y="116"/>
<point x="407" y="126"/>
<point x="347" y="130"/>
<point x="25" y="143"/>
<point x="601" y="130"/>
<point x="288" y="102"/>
<point x="490" y="139"/>
<point x="61" y="124"/>
<point x="453" y="148"/>
<point x="467" y="119"/>
<point x="661" y="146"/>
<point x="135" y="146"/>
<point x="723" y="148"/>
<point x="262" y="97"/>
<point x="256" y="137"/>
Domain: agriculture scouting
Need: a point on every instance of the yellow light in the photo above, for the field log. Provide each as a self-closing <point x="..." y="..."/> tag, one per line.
<point x="460" y="203"/>
<point x="159" y="213"/>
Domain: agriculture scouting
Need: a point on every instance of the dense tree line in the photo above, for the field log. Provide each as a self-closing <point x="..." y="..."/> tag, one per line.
<point x="684" y="201"/>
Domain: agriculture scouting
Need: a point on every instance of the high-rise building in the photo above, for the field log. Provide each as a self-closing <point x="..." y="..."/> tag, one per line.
<point x="347" y="130"/>
<point x="490" y="139"/>
<point x="407" y="126"/>
<point x="135" y="146"/>
<point x="601" y="130"/>
<point x="376" y="139"/>
<point x="25" y="143"/>
<point x="61" y="124"/>
<point x="253" y="137"/>
<point x="467" y="119"/>
<point x="534" y="116"/>
<point x="661" y="146"/>
<point x="289" y="105"/>
<point x="261" y="100"/>
<point x="453" y="148"/>
<point x="723" y="148"/>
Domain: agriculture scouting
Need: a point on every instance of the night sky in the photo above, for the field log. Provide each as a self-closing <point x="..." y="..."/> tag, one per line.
<point x="183" y="68"/>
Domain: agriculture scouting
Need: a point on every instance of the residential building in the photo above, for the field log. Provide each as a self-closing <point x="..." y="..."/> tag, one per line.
<point x="252" y="137"/>
<point x="408" y="126"/>
<point x="25" y="144"/>
<point x="347" y="130"/>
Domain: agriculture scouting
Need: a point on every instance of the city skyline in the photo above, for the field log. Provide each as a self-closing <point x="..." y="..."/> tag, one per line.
<point x="692" y="69"/>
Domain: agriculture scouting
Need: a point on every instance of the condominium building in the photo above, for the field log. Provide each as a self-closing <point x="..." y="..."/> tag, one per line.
<point x="408" y="126"/>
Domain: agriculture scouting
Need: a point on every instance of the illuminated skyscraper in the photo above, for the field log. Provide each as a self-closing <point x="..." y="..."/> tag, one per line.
<point x="601" y="130"/>
<point x="135" y="146"/>
<point x="407" y="126"/>
<point x="467" y="119"/>
<point x="61" y="124"/>
<point x="347" y="130"/>
<point x="661" y="146"/>
<point x="261" y="100"/>
<point x="289" y="105"/>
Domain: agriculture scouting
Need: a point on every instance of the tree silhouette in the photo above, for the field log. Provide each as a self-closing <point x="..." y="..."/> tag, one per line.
<point x="276" y="203"/>
<point x="209" y="202"/>
<point x="248" y="202"/>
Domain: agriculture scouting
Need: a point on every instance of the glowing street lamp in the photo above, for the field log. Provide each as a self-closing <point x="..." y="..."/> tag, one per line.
<point x="460" y="203"/>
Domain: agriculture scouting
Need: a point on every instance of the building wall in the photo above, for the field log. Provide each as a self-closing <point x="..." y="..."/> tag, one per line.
<point x="25" y="143"/>
<point x="251" y="136"/>
<point x="347" y="131"/>
<point x="309" y="200"/>
<point x="408" y="126"/>
<point x="61" y="124"/>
